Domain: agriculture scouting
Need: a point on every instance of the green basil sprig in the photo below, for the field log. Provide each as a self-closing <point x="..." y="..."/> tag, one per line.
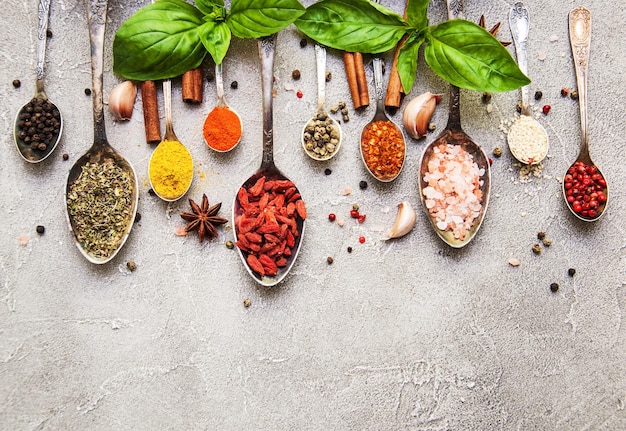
<point x="169" y="37"/>
<point x="459" y="51"/>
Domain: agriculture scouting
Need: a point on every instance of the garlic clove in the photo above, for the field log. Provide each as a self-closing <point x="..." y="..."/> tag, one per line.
<point x="417" y="114"/>
<point x="122" y="100"/>
<point x="405" y="220"/>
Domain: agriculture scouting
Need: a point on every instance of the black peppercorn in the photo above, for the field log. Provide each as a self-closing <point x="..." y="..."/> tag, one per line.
<point x="349" y="249"/>
<point x="538" y="95"/>
<point x="362" y="184"/>
<point x="303" y="43"/>
<point x="295" y="74"/>
<point x="66" y="156"/>
<point x="151" y="192"/>
<point x="564" y="92"/>
<point x="40" y="229"/>
<point x="330" y="260"/>
<point x="329" y="76"/>
<point x="17" y="83"/>
<point x="234" y="85"/>
<point x="137" y="217"/>
<point x="554" y="287"/>
<point x="571" y="272"/>
<point x="88" y="91"/>
<point x="541" y="235"/>
<point x="327" y="171"/>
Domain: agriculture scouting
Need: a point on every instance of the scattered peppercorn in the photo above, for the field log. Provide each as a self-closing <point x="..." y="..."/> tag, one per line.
<point x="332" y="217"/>
<point x="361" y="239"/>
<point x="40" y="229"/>
<point x="346" y="118"/>
<point x="137" y="217"/>
<point x="546" y="109"/>
<point x="342" y="104"/>
<point x="554" y="287"/>
<point x="497" y="152"/>
<point x="330" y="260"/>
<point x="574" y="95"/>
<point x="299" y="94"/>
<point x="230" y="245"/>
<point x="537" y="248"/>
<point x="88" y="91"/>
<point x="564" y="92"/>
<point x="48" y="33"/>
<point x="538" y="95"/>
<point x="65" y="156"/>
<point x="131" y="265"/>
<point x="486" y="97"/>
<point x="247" y="302"/>
<point x="349" y="249"/>
<point x="329" y="76"/>
<point x="151" y="192"/>
<point x="490" y="160"/>
<point x="355" y="207"/>
<point x="295" y="74"/>
<point x="362" y="184"/>
<point x="547" y="242"/>
<point x="518" y="107"/>
<point x="327" y="171"/>
<point x="303" y="43"/>
<point x="541" y="235"/>
<point x="571" y="272"/>
<point x="432" y="127"/>
<point x="17" y="83"/>
<point x="234" y="85"/>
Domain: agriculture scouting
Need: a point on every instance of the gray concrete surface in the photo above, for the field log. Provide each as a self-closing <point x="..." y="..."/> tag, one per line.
<point x="400" y="335"/>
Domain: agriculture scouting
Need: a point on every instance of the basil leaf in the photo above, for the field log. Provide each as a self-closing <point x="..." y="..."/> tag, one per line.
<point x="352" y="25"/>
<point x="249" y="19"/>
<point x="417" y="13"/>
<point x="216" y="39"/>
<point x="407" y="61"/>
<point x="210" y="7"/>
<point x="159" y="41"/>
<point x="467" y="56"/>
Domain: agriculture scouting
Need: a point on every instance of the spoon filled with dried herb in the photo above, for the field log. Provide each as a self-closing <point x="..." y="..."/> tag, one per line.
<point x="102" y="192"/>
<point x="38" y="124"/>
<point x="268" y="213"/>
<point x="171" y="166"/>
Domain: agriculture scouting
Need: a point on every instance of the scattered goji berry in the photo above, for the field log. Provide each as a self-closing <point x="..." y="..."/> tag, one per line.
<point x="546" y="109"/>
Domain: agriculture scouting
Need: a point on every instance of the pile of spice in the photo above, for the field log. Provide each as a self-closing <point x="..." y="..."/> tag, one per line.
<point x="100" y="204"/>
<point x="528" y="141"/>
<point x="453" y="196"/>
<point x="39" y="124"/>
<point x="585" y="189"/>
<point x="266" y="223"/>
<point x="321" y="137"/>
<point x="171" y="170"/>
<point x="383" y="149"/>
<point x="222" y="129"/>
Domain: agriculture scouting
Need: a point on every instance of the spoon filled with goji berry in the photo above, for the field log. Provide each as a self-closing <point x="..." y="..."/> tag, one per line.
<point x="38" y="124"/>
<point x="268" y="212"/>
<point x="584" y="187"/>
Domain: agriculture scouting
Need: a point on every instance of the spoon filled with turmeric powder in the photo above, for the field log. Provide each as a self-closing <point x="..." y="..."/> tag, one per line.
<point x="171" y="167"/>
<point x="222" y="128"/>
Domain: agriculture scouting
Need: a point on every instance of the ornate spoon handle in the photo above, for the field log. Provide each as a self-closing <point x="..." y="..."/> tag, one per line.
<point x="580" y="40"/>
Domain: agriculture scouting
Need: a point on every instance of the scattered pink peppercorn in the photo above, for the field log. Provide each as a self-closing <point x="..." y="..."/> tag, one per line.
<point x="332" y="217"/>
<point x="354" y="213"/>
<point x="361" y="239"/>
<point x="546" y="109"/>
<point x="299" y="94"/>
<point x="437" y="99"/>
<point x="490" y="161"/>
<point x="361" y="218"/>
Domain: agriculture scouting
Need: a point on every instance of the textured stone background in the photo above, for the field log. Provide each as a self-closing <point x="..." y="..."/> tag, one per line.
<point x="401" y="335"/>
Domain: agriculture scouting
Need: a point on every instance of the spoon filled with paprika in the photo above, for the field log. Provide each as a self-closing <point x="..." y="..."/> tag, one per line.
<point x="268" y="212"/>
<point x="38" y="124"/>
<point x="584" y="187"/>
<point x="455" y="178"/>
<point x="171" y="167"/>
<point x="222" y="128"/>
<point x="102" y="192"/>
<point x="321" y="136"/>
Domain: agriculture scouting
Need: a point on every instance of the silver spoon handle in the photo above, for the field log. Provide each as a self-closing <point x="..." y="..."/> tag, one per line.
<point x="519" y="21"/>
<point x="267" y="48"/>
<point x="219" y="84"/>
<point x="97" y="14"/>
<point x="455" y="9"/>
<point x="580" y="40"/>
<point x="320" y="60"/>
<point x="43" y="13"/>
<point x="378" y="83"/>
<point x="167" y="104"/>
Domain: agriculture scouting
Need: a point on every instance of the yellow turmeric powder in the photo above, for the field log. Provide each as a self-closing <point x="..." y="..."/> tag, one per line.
<point x="171" y="170"/>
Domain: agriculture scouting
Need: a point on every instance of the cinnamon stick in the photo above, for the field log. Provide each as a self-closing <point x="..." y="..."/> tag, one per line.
<point x="192" y="85"/>
<point x="395" y="91"/>
<point x="150" y="105"/>
<point x="353" y="85"/>
<point x="361" y="79"/>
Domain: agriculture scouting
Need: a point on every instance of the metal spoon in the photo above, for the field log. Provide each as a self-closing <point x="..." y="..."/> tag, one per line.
<point x="268" y="168"/>
<point x="519" y="22"/>
<point x="221" y="103"/>
<point x="320" y="149"/>
<point x="381" y="116"/>
<point x="101" y="151"/>
<point x="25" y="149"/>
<point x="169" y="136"/>
<point x="454" y="135"/>
<point x="580" y="40"/>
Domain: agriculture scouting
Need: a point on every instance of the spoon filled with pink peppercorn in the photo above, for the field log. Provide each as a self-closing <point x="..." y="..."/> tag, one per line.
<point x="584" y="187"/>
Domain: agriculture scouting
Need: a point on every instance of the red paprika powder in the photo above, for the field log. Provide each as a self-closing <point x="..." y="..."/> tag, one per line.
<point x="222" y="129"/>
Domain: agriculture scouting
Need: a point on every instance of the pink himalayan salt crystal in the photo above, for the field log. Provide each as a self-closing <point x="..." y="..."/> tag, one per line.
<point x="453" y="196"/>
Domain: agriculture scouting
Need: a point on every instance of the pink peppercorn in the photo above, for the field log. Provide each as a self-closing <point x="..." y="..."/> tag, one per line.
<point x="546" y="109"/>
<point x="361" y="239"/>
<point x="332" y="217"/>
<point x="299" y="94"/>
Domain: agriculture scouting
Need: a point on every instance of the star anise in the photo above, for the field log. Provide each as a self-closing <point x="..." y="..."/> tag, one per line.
<point x="494" y="30"/>
<point x="203" y="218"/>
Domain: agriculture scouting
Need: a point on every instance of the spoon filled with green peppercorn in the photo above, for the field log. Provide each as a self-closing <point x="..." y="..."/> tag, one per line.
<point x="38" y="123"/>
<point x="321" y="136"/>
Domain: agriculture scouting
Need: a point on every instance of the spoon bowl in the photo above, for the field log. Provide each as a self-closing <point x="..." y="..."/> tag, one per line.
<point x="37" y="150"/>
<point x="227" y="110"/>
<point x="268" y="173"/>
<point x="101" y="152"/>
<point x="383" y="148"/>
<point x="527" y="138"/>
<point x="321" y="136"/>
<point x="580" y="40"/>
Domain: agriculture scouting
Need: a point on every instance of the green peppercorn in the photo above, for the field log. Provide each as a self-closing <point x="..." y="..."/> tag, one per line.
<point x="574" y="95"/>
<point x="131" y="265"/>
<point x="230" y="245"/>
<point x="547" y="242"/>
<point x="432" y="127"/>
<point x="497" y="152"/>
<point x="537" y="249"/>
<point x="329" y="76"/>
<point x="247" y="302"/>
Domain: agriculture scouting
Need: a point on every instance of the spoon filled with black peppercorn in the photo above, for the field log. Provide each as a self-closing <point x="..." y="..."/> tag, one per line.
<point x="38" y="124"/>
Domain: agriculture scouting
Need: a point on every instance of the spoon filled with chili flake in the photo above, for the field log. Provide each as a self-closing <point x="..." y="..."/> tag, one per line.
<point x="455" y="178"/>
<point x="382" y="143"/>
<point x="38" y="124"/>
<point x="268" y="212"/>
<point x="584" y="187"/>
<point x="321" y="136"/>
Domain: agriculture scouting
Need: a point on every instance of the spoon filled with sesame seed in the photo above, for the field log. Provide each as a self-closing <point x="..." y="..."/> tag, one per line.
<point x="38" y="124"/>
<point x="584" y="186"/>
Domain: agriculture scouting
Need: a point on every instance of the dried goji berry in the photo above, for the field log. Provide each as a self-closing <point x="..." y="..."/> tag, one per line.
<point x="301" y="209"/>
<point x="253" y="237"/>
<point x="291" y="209"/>
<point x="268" y="264"/>
<point x="257" y="188"/>
<point x="255" y="265"/>
<point x="281" y="262"/>
<point x="294" y="197"/>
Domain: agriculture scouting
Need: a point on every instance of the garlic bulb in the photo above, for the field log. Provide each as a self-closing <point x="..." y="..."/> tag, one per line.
<point x="417" y="114"/>
<point x="122" y="100"/>
<point x="405" y="220"/>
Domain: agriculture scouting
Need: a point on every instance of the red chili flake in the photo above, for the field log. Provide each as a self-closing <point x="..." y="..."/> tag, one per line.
<point x="361" y="239"/>
<point x="332" y="217"/>
<point x="299" y="94"/>
<point x="546" y="109"/>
